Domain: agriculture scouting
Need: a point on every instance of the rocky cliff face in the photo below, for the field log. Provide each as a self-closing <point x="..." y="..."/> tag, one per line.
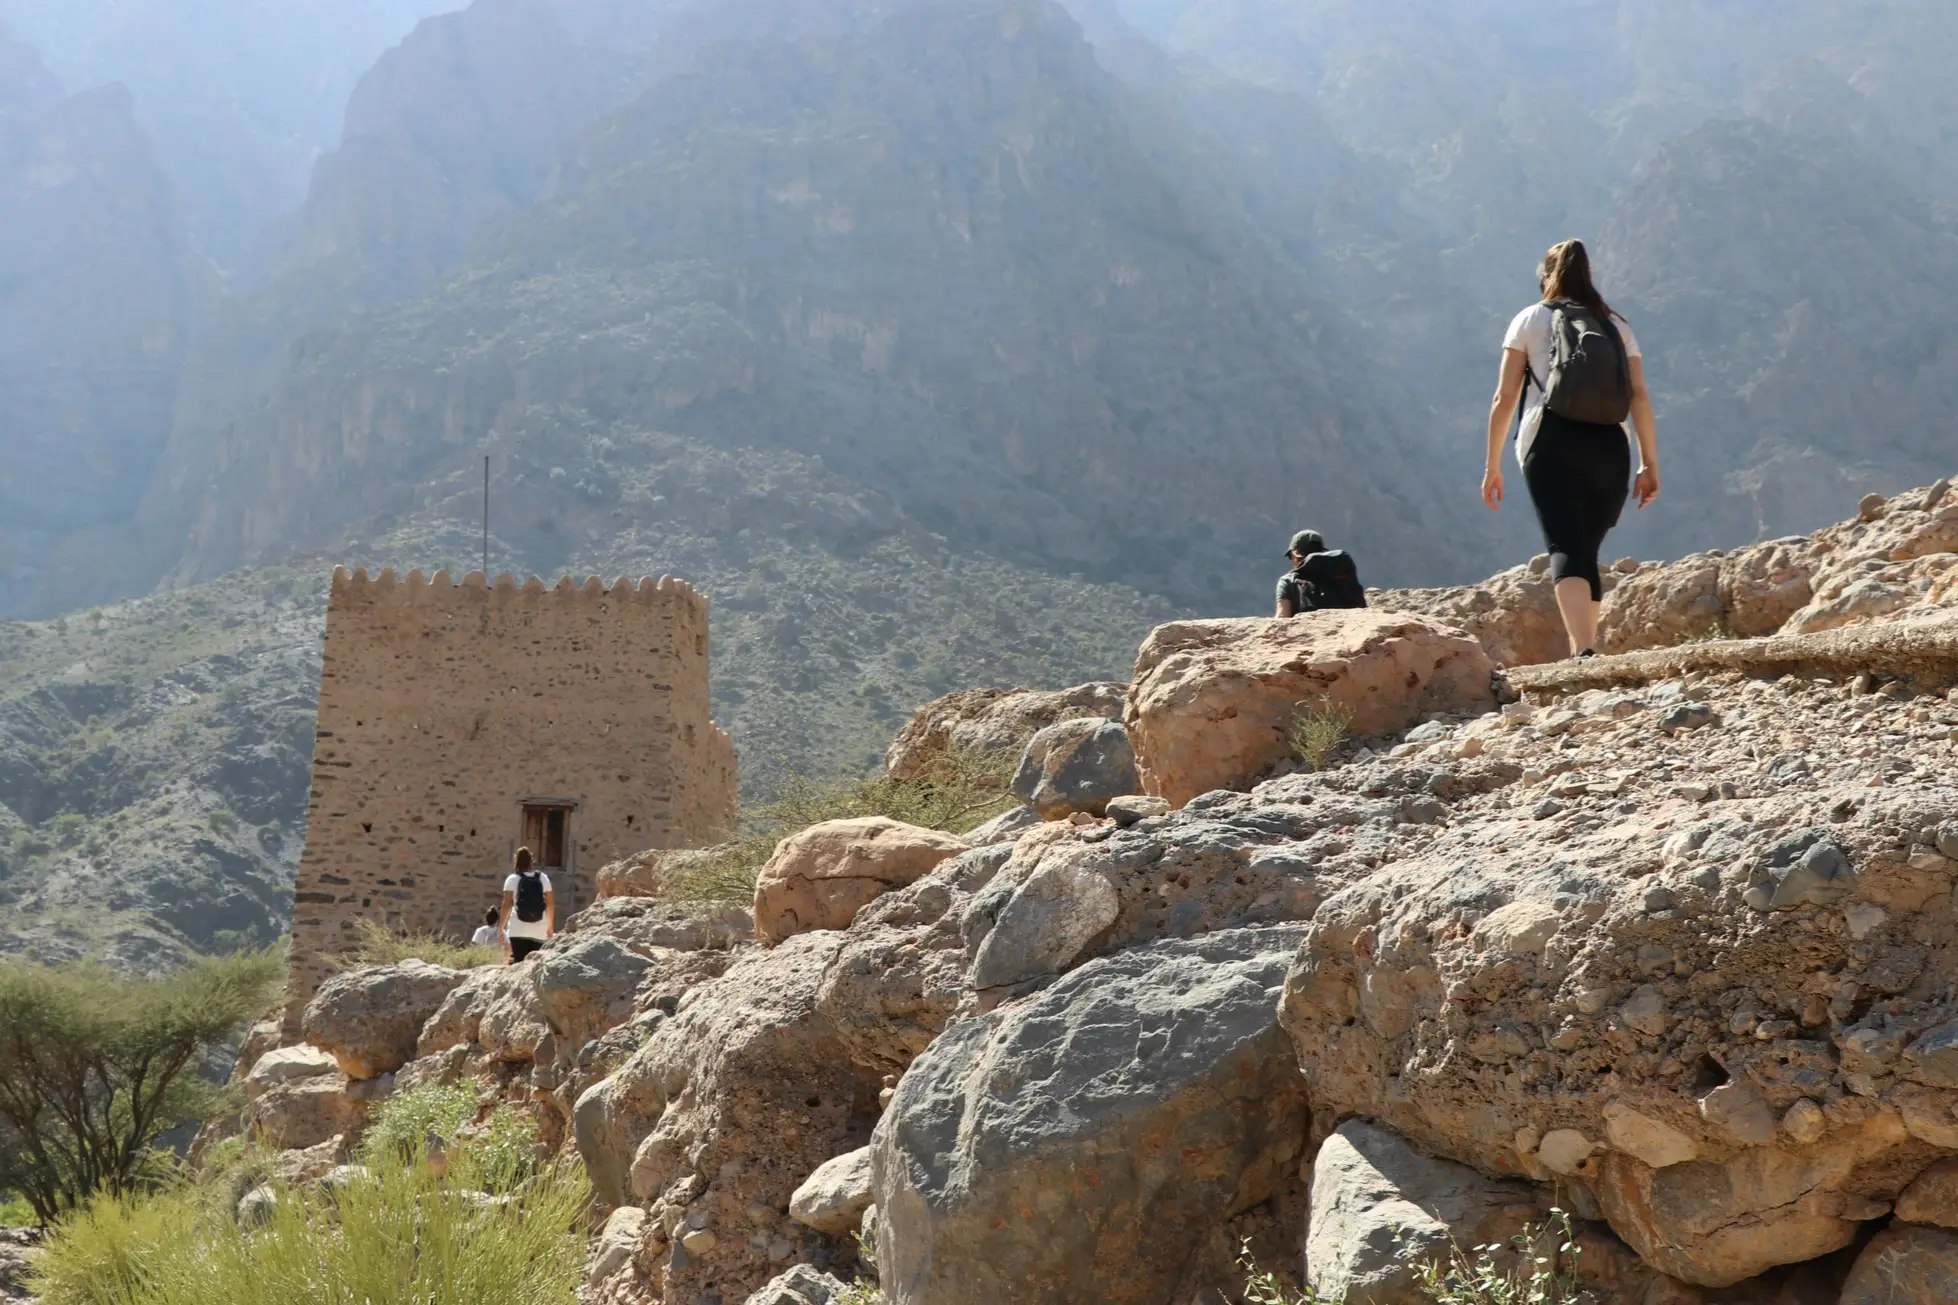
<point x="98" y="295"/>
<point x="739" y="256"/>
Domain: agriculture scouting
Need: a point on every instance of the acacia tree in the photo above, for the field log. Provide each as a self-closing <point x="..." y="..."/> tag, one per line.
<point x="94" y="1067"/>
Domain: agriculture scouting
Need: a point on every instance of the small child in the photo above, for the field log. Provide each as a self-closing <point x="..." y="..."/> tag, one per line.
<point x="485" y="935"/>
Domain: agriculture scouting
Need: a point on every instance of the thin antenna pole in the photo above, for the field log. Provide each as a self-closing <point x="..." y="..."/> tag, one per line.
<point x="486" y="516"/>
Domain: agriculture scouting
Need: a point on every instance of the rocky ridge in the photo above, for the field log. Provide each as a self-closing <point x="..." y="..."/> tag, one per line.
<point x="1663" y="938"/>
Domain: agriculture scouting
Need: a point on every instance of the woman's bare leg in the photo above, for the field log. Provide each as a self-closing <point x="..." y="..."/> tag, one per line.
<point x="1579" y="612"/>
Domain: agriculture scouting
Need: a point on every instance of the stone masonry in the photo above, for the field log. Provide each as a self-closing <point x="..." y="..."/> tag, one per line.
<point x="454" y="718"/>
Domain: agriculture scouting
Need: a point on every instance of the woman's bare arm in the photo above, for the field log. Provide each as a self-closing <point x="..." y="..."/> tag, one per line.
<point x="1502" y="411"/>
<point x="1647" y="486"/>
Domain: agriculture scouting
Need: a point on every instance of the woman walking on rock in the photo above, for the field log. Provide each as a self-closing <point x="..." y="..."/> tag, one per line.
<point x="1576" y="366"/>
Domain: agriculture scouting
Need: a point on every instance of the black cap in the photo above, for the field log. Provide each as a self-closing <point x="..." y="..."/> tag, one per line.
<point x="1307" y="542"/>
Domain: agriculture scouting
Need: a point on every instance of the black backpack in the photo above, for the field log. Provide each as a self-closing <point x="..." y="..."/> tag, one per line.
<point x="1332" y="581"/>
<point x="1590" y="377"/>
<point x="530" y="896"/>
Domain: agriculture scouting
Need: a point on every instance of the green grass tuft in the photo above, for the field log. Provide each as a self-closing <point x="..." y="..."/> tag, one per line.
<point x="376" y="944"/>
<point x="401" y="1235"/>
<point x="1317" y="729"/>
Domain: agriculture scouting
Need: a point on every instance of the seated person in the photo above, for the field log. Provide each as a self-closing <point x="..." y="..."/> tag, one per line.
<point x="1320" y="577"/>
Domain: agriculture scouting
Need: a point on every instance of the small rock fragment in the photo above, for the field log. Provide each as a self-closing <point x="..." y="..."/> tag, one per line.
<point x="1564" y="1151"/>
<point x="1646" y="1011"/>
<point x="1805" y="1122"/>
<point x="1135" y="808"/>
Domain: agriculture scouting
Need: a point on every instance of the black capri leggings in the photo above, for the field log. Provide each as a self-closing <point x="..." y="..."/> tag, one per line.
<point x="1578" y="474"/>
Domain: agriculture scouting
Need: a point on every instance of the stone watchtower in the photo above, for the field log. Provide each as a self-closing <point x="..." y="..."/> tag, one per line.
<point x="458" y="721"/>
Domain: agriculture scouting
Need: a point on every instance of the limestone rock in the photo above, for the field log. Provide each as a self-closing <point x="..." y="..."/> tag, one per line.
<point x="305" y="1112"/>
<point x="1380" y="1208"/>
<point x="1034" y="920"/>
<point x="726" y="1108"/>
<point x="833" y="1199"/>
<point x="642" y="875"/>
<point x="287" y="1065"/>
<point x="647" y="924"/>
<point x="821" y="877"/>
<point x="1512" y="614"/>
<point x="1213" y="701"/>
<point x="1135" y="809"/>
<point x="1918" y="1265"/>
<point x="586" y="987"/>
<point x="1662" y="605"/>
<point x="1076" y="766"/>
<point x="1005" y="827"/>
<point x="1932" y="1197"/>
<point x="992" y="720"/>
<point x="1082" y="1143"/>
<point x="801" y="1285"/>
<point x="618" y="1242"/>
<point x="369" y="1019"/>
<point x="494" y="1007"/>
<point x="900" y="975"/>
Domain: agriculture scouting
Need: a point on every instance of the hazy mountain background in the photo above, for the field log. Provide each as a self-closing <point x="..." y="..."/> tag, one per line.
<point x="944" y="342"/>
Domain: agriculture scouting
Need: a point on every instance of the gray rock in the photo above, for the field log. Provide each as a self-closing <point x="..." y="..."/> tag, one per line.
<point x="586" y="987"/>
<point x="1545" y="809"/>
<point x="833" y="1199"/>
<point x="1948" y="839"/>
<point x="1136" y="808"/>
<point x="1687" y="716"/>
<point x="1381" y="1209"/>
<point x="1076" y="766"/>
<point x="369" y="1020"/>
<point x="801" y="1285"/>
<point x="1004" y="827"/>
<point x="1933" y="1058"/>
<point x="1802" y="870"/>
<point x="1042" y="1154"/>
<point x="1022" y="928"/>
<point x="1903" y="1263"/>
<point x="255" y="1207"/>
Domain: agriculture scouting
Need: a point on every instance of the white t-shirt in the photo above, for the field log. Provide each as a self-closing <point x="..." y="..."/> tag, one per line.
<point x="1530" y="333"/>
<point x="485" y="936"/>
<point x="518" y="926"/>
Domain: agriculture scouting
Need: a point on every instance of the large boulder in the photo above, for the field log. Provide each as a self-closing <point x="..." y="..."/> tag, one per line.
<point x="1089" y="1142"/>
<point x="1918" y="1265"/>
<point x="1722" y="1025"/>
<point x="283" y="1065"/>
<point x="714" y="1122"/>
<point x="494" y="1008"/>
<point x="649" y="924"/>
<point x="801" y="1285"/>
<point x="1076" y="766"/>
<point x="1214" y="701"/>
<point x="1380" y="1209"/>
<point x="644" y="874"/>
<point x="991" y="721"/>
<point x="900" y="974"/>
<point x="833" y="1199"/>
<point x="1513" y="614"/>
<point x="307" y="1111"/>
<point x="370" y="1019"/>
<point x="1228" y="861"/>
<point x="586" y="987"/>
<point x="821" y="877"/>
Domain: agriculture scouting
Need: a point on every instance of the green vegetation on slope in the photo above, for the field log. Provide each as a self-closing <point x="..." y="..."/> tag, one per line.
<point x="94" y="1068"/>
<point x="182" y="1245"/>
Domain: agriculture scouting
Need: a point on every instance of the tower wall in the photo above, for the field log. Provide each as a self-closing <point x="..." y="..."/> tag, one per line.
<point x="445" y="707"/>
